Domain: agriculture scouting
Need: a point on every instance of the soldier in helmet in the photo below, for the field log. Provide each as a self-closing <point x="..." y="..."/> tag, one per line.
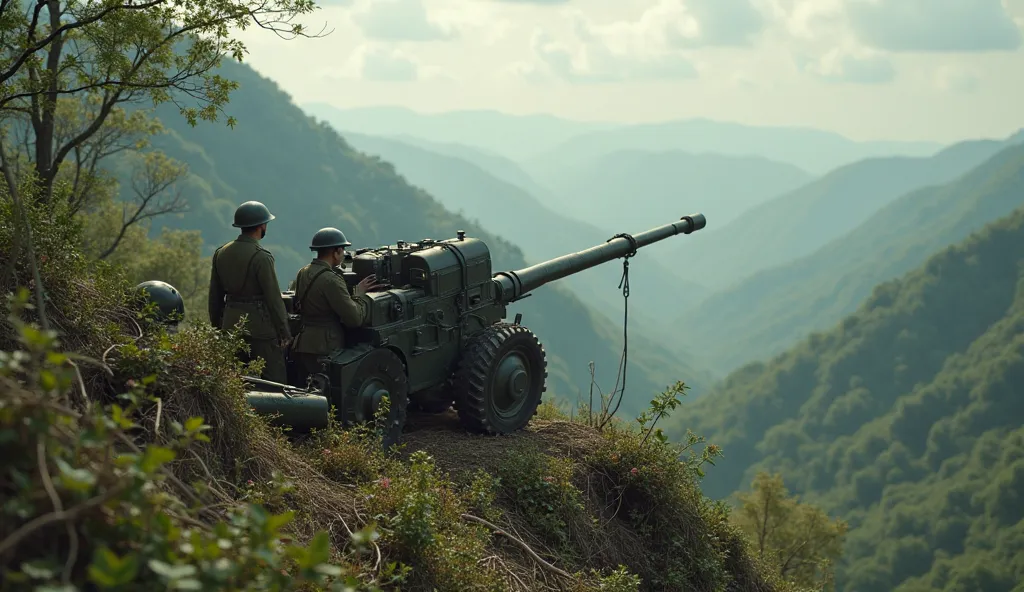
<point x="243" y="282"/>
<point x="323" y="301"/>
<point x="170" y="305"/>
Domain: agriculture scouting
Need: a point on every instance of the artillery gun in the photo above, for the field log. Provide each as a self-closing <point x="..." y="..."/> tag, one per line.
<point x="437" y="337"/>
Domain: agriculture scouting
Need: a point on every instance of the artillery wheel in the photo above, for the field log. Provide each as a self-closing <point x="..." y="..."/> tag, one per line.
<point x="381" y="373"/>
<point x="500" y="380"/>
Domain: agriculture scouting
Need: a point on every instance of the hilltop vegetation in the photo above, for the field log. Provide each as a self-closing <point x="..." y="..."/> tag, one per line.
<point x="203" y="494"/>
<point x="905" y="418"/>
<point x="777" y="307"/>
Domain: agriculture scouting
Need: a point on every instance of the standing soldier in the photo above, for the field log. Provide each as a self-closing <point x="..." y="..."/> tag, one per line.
<point x="243" y="282"/>
<point x="323" y="302"/>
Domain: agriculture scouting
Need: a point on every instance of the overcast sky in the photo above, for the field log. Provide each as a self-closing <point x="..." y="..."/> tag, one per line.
<point x="870" y="69"/>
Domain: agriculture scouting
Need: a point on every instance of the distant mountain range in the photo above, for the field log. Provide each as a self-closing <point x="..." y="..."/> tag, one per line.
<point x="776" y="307"/>
<point x="798" y="223"/>
<point x="642" y="188"/>
<point x="546" y="144"/>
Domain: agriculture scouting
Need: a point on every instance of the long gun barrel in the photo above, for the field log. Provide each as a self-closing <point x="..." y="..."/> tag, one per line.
<point x="513" y="285"/>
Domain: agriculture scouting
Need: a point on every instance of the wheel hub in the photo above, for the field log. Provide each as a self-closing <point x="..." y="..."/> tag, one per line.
<point x="371" y="395"/>
<point x="512" y="382"/>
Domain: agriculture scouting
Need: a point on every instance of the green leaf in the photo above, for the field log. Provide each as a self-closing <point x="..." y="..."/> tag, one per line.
<point x="193" y="424"/>
<point x="38" y="570"/>
<point x="76" y="479"/>
<point x="47" y="380"/>
<point x="328" y="569"/>
<point x="187" y="584"/>
<point x="107" y="570"/>
<point x="171" y="572"/>
<point x="319" y="550"/>
<point x="155" y="457"/>
<point x="275" y="522"/>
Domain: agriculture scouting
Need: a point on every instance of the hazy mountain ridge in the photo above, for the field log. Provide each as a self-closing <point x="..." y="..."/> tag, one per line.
<point x="493" y="163"/>
<point x="815" y="151"/>
<point x="642" y="187"/>
<point x="905" y="418"/>
<point x="798" y="223"/>
<point x="310" y="177"/>
<point x="515" y="136"/>
<point x="775" y="308"/>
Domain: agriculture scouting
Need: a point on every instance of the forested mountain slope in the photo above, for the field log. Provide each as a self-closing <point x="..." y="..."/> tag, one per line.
<point x="542" y="234"/>
<point x="310" y="177"/>
<point x="800" y="222"/>
<point x="906" y="419"/>
<point x="773" y="309"/>
<point x="639" y="188"/>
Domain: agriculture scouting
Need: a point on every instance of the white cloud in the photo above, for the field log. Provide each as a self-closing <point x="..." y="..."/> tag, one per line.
<point x="401" y="20"/>
<point x="850" y="65"/>
<point x="957" y="80"/>
<point x="934" y="25"/>
<point x="649" y="47"/>
<point x="378" y="63"/>
<point x="602" y="56"/>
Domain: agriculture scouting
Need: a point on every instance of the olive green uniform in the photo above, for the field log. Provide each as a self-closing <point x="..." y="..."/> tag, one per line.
<point x="243" y="282"/>
<point x="326" y="306"/>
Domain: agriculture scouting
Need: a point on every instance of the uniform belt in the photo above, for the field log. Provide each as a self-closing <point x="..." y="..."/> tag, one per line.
<point x="244" y="299"/>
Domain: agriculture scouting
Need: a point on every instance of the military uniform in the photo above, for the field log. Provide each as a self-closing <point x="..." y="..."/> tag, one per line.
<point x="243" y="282"/>
<point x="326" y="306"/>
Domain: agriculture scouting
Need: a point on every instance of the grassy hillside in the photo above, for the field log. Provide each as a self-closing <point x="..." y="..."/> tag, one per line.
<point x="905" y="419"/>
<point x="773" y="309"/>
<point x="639" y="188"/>
<point x="512" y="213"/>
<point x="309" y="176"/>
<point x="812" y="150"/>
<point x="149" y="472"/>
<point x="798" y="223"/>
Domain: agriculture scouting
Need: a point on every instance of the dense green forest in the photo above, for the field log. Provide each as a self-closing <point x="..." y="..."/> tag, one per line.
<point x="777" y="307"/>
<point x="308" y="173"/>
<point x="905" y="418"/>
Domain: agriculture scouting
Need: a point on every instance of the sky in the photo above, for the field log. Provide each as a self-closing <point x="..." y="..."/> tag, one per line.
<point x="933" y="70"/>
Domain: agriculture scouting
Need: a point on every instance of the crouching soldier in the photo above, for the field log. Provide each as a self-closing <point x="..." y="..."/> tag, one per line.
<point x="324" y="304"/>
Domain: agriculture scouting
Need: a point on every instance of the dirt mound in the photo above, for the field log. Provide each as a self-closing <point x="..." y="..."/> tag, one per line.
<point x="459" y="452"/>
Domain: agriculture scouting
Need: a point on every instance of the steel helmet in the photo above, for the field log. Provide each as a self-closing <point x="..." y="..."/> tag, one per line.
<point x="168" y="300"/>
<point x="252" y="213"/>
<point x="325" y="238"/>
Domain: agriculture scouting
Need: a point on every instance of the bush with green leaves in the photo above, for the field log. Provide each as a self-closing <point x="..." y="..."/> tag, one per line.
<point x="84" y="503"/>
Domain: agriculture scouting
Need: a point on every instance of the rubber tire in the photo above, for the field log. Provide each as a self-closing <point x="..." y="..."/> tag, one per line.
<point x="473" y="397"/>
